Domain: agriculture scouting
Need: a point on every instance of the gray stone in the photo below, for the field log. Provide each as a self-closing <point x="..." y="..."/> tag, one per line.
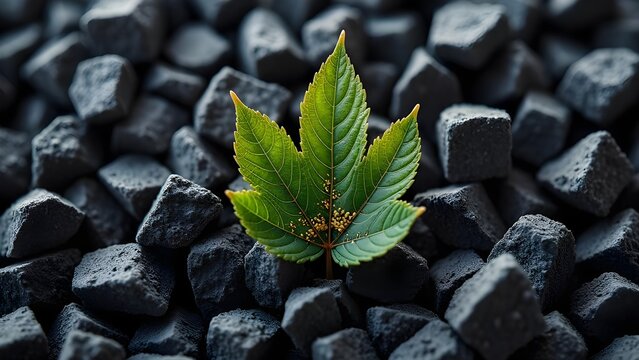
<point x="519" y="195"/>
<point x="15" y="167"/>
<point x="348" y="308"/>
<point x="560" y="341"/>
<point x="198" y="48"/>
<point x="21" y="336"/>
<point x="435" y="341"/>
<point x="242" y="334"/>
<point x="393" y="37"/>
<point x="222" y="14"/>
<point x="179" y="332"/>
<point x="524" y="16"/>
<point x="449" y="273"/>
<point x="174" y="84"/>
<point x="85" y="345"/>
<point x="15" y="46"/>
<point x="622" y="348"/>
<point x="351" y="343"/>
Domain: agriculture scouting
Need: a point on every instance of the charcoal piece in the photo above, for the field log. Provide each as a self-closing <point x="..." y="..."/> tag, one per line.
<point x="73" y="317"/>
<point x="149" y="127"/>
<point x="524" y="16"/>
<point x="430" y="176"/>
<point x="36" y="222"/>
<point x="134" y="181"/>
<point x="425" y="82"/>
<point x="242" y="334"/>
<point x="496" y="311"/>
<point x="103" y="88"/>
<point x="215" y="268"/>
<point x="474" y="143"/>
<point x="126" y="278"/>
<point x="7" y="93"/>
<point x="590" y="175"/>
<point x="33" y="114"/>
<point x="611" y="245"/>
<point x="306" y="306"/>
<point x="468" y="34"/>
<point x="268" y="50"/>
<point x="222" y="14"/>
<point x="621" y="33"/>
<point x="15" y="168"/>
<point x="348" y="308"/>
<point x="511" y="73"/>
<point x="42" y="283"/>
<point x="21" y="336"/>
<point x="520" y="195"/>
<point x="390" y="326"/>
<point x="198" y="48"/>
<point x="393" y="37"/>
<point x="622" y="348"/>
<point x="462" y="216"/>
<point x="297" y="12"/>
<point x="15" y="47"/>
<point x="377" y="125"/>
<point x="395" y="277"/>
<point x="449" y="273"/>
<point x="191" y="157"/>
<point x="133" y="29"/>
<point x="602" y="85"/>
<point x="378" y="78"/>
<point x="560" y="341"/>
<point x="269" y="278"/>
<point x="351" y="343"/>
<point x="214" y="113"/>
<point x="604" y="308"/>
<point x="178" y="215"/>
<point x="421" y="239"/>
<point x="435" y="341"/>
<point x="62" y="17"/>
<point x="106" y="222"/>
<point x="85" y="345"/>
<point x="575" y="15"/>
<point x="545" y="249"/>
<point x="174" y="84"/>
<point x="179" y="332"/>
<point x="540" y="128"/>
<point x="63" y="151"/>
<point x="320" y="34"/>
<point x="50" y="69"/>
<point x="559" y="52"/>
<point x="19" y="11"/>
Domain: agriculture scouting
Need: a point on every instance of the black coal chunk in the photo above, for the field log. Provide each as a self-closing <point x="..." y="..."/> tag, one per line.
<point x="15" y="46"/>
<point x="36" y="222"/>
<point x="604" y="308"/>
<point x="242" y="334"/>
<point x="496" y="311"/>
<point x="297" y="12"/>
<point x="430" y="176"/>
<point x="7" y="93"/>
<point x="558" y="52"/>
<point x="449" y="273"/>
<point x="126" y="278"/>
<point x="33" y="114"/>
<point x="178" y="215"/>
<point x="222" y="14"/>
<point x="390" y="326"/>
<point x="21" y="336"/>
<point x="134" y="180"/>
<point x="462" y="216"/>
<point x="435" y="341"/>
<point x="378" y="78"/>
<point x="133" y="29"/>
<point x="520" y="195"/>
<point x="198" y="48"/>
<point x="85" y="345"/>
<point x="348" y="308"/>
<point x="216" y="271"/>
<point x="590" y="175"/>
<point x="42" y="283"/>
<point x="576" y="15"/>
<point x="15" y="168"/>
<point x="393" y="37"/>
<point x="560" y="341"/>
<point x="103" y="88"/>
<point x="422" y="240"/>
<point x="214" y="113"/>
<point x="64" y="151"/>
<point x="623" y="348"/>
<point x="351" y="343"/>
<point x="179" y="332"/>
<point x="524" y="16"/>
<point x="174" y="84"/>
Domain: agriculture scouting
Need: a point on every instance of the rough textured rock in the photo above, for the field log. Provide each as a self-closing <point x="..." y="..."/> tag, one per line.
<point x="393" y="37"/>
<point x="421" y="239"/>
<point x="524" y="16"/>
<point x="520" y="195"/>
<point x="21" y="336"/>
<point x="211" y="53"/>
<point x="174" y="84"/>
<point x="351" y="343"/>
<point x="449" y="273"/>
<point x="15" y="168"/>
<point x="85" y="345"/>
<point x="348" y="307"/>
<point x="435" y="341"/>
<point x="179" y="332"/>
<point x="560" y="341"/>
<point x="623" y="348"/>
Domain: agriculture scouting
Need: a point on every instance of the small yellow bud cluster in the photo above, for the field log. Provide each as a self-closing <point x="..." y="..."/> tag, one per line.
<point x="341" y="219"/>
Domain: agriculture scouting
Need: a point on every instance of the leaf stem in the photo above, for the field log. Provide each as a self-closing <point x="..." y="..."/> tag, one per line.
<point x="329" y="263"/>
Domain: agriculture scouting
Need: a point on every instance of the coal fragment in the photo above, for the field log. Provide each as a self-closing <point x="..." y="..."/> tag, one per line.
<point x="33" y="114"/>
<point x="215" y="268"/>
<point x="390" y="326"/>
<point x="50" y="69"/>
<point x="575" y="15"/>
<point x="103" y="88"/>
<point x="134" y="180"/>
<point x="393" y="37"/>
<point x="174" y="84"/>
<point x="348" y="308"/>
<point x="41" y="283"/>
<point x="520" y="195"/>
<point x="85" y="345"/>
<point x="126" y="278"/>
<point x="590" y="175"/>
<point x="242" y="334"/>
<point x="620" y="33"/>
<point x="604" y="308"/>
<point x="21" y="336"/>
<point x="269" y="278"/>
<point x="435" y="341"/>
<point x="378" y="78"/>
<point x="545" y="249"/>
<point x="133" y="29"/>
<point x="610" y="245"/>
<point x="524" y="16"/>
<point x="297" y="12"/>
<point x="214" y="113"/>
<point x="7" y="93"/>
<point x="36" y="222"/>
<point x="62" y="17"/>
<point x="15" y="169"/>
<point x="421" y="239"/>
<point x="198" y="48"/>
<point x="602" y="85"/>
<point x="351" y="343"/>
<point x="63" y="151"/>
<point x="462" y="216"/>
<point x="622" y="348"/>
<point x="395" y="277"/>
<point x="449" y="273"/>
<point x="222" y="14"/>
<point x="496" y="311"/>
<point x="268" y="50"/>
<point x="558" y="52"/>
<point x="15" y="46"/>
<point x="179" y="332"/>
<point x="306" y="306"/>
<point x="468" y="34"/>
<point x="430" y="176"/>
<point x="560" y="341"/>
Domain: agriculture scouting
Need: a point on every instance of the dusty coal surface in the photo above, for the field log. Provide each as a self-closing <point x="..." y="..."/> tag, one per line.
<point x="116" y="134"/>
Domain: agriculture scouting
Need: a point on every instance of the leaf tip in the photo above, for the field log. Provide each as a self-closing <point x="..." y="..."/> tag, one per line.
<point x="420" y="210"/>
<point x="415" y="111"/>
<point x="229" y="194"/>
<point x="342" y="38"/>
<point x="236" y="100"/>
